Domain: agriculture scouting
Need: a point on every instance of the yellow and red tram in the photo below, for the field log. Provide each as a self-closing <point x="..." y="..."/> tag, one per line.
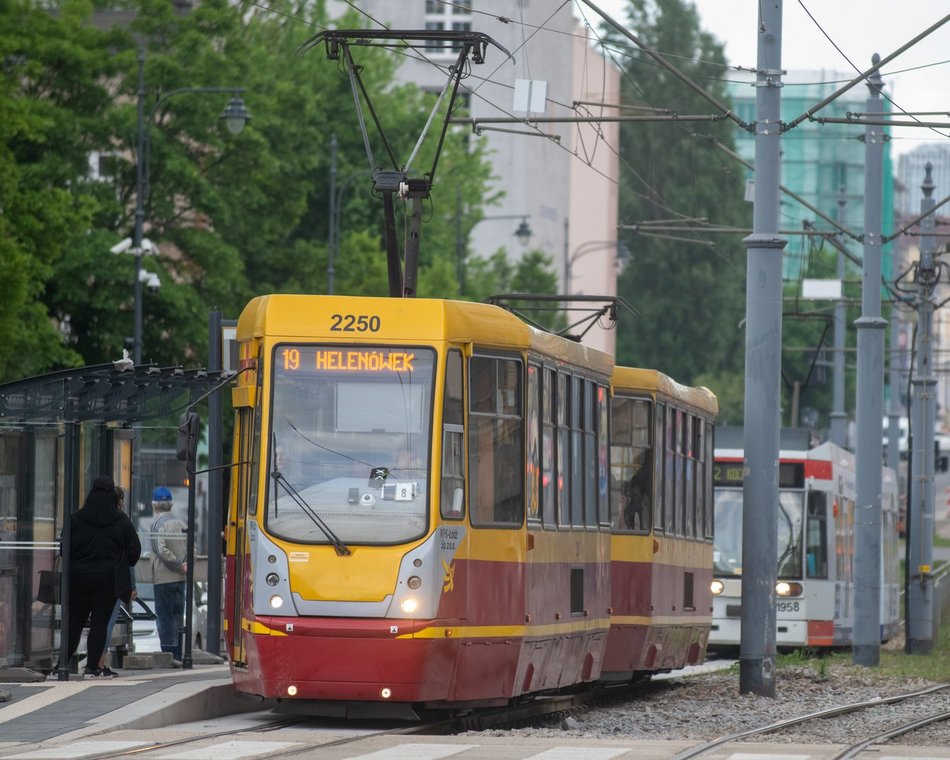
<point x="421" y="509"/>
<point x="661" y="457"/>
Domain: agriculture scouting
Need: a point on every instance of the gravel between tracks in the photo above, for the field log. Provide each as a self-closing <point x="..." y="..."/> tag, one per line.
<point x="707" y="706"/>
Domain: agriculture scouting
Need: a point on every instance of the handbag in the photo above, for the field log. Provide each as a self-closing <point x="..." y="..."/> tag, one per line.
<point x="50" y="583"/>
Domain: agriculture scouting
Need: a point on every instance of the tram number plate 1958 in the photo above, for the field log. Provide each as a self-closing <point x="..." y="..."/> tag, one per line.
<point x="787" y="606"/>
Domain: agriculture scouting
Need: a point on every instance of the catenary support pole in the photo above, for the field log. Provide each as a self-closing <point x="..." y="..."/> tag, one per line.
<point x="763" y="358"/>
<point x="923" y="413"/>
<point x="869" y="404"/>
<point x="839" y="418"/>
<point x="186" y="658"/>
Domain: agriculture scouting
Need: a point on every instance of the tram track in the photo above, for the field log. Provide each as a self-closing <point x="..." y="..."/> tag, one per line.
<point x="852" y="750"/>
<point x="277" y="724"/>
<point x="476" y="720"/>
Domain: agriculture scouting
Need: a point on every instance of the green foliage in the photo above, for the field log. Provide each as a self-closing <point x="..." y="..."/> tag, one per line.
<point x="53" y="109"/>
<point x="233" y="216"/>
<point x="690" y="295"/>
<point x="532" y="273"/>
<point x="729" y="388"/>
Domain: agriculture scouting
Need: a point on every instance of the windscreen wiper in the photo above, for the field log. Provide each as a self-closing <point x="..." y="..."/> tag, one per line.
<point x="341" y="548"/>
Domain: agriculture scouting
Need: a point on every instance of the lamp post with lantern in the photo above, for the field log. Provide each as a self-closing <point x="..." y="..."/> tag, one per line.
<point x="235" y="116"/>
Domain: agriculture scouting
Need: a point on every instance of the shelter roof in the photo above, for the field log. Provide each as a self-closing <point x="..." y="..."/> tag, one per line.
<point x="104" y="393"/>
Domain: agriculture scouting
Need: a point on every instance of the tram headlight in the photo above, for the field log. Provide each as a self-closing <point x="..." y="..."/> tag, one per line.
<point x="414" y="582"/>
<point x="409" y="605"/>
<point x="276" y="602"/>
<point x="291" y="691"/>
<point x="272" y="579"/>
<point x="716" y="587"/>
<point x="786" y="589"/>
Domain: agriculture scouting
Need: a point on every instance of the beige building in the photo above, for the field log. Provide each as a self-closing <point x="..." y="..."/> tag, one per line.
<point x="561" y="178"/>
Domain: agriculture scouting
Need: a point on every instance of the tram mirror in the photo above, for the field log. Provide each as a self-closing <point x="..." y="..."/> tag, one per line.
<point x="187" y="445"/>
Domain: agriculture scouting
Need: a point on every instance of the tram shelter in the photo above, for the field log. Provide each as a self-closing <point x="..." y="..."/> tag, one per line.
<point x="58" y="432"/>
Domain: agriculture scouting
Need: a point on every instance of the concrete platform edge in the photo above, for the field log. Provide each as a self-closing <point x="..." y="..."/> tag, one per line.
<point x="180" y="703"/>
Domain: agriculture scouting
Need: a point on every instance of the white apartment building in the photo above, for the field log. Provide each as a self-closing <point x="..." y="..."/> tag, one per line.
<point x="562" y="178"/>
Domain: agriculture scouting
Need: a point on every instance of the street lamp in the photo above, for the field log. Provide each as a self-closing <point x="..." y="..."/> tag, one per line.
<point x="622" y="256"/>
<point x="235" y="115"/>
<point x="523" y="232"/>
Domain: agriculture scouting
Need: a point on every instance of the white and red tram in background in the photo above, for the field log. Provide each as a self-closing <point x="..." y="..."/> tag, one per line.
<point x="816" y="534"/>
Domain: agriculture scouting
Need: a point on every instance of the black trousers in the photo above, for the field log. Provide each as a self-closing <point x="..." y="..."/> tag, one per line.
<point x="91" y="597"/>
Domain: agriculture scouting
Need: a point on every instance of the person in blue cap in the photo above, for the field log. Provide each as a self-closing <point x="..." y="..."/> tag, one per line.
<point x="169" y="566"/>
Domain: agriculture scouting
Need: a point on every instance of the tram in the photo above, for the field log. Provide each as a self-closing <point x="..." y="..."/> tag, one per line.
<point x="816" y="534"/>
<point x="661" y="459"/>
<point x="420" y="515"/>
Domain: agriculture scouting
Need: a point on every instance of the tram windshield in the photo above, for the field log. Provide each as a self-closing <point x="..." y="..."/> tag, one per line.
<point x="349" y="453"/>
<point x="727" y="546"/>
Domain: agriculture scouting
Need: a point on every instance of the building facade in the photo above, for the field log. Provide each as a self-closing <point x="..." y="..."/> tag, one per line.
<point x="820" y="162"/>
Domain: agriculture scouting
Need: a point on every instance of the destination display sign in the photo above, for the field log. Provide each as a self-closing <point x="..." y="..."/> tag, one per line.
<point x="294" y="359"/>
<point x="790" y="474"/>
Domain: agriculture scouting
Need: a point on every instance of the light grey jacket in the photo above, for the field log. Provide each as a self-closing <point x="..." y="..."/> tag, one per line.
<point x="169" y="549"/>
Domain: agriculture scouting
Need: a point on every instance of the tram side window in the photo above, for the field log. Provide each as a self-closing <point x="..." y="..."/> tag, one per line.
<point x="453" y="431"/>
<point x="590" y="454"/>
<point x="563" y="451"/>
<point x="687" y="493"/>
<point x="816" y="537"/>
<point x="496" y="450"/>
<point x="548" y="471"/>
<point x="699" y="466"/>
<point x="631" y="464"/>
<point x="533" y="464"/>
<point x="669" y="475"/>
<point x="577" y="452"/>
<point x="254" y="475"/>
<point x="659" y="466"/>
<point x="603" y="457"/>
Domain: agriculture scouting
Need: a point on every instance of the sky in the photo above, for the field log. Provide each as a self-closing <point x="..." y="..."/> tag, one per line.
<point x="859" y="28"/>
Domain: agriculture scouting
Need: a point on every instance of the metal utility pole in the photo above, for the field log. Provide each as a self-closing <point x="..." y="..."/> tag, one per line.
<point x="839" y="418"/>
<point x="763" y="365"/>
<point x="212" y="642"/>
<point x="923" y="412"/>
<point x="870" y="397"/>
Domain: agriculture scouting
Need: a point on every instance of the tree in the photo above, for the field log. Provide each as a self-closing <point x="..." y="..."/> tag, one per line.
<point x="690" y="296"/>
<point x="233" y="216"/>
<point x="54" y="109"/>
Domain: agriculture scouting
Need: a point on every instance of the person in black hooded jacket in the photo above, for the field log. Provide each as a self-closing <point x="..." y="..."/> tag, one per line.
<point x="101" y="537"/>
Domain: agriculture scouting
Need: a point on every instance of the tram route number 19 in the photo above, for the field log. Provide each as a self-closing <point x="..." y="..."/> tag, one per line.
<point x="354" y="323"/>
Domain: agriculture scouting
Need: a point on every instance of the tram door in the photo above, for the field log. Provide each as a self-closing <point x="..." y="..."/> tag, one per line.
<point x="243" y="508"/>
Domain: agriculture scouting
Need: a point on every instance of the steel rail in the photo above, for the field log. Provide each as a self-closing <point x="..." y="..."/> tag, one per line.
<point x="855" y="749"/>
<point x="827" y="713"/>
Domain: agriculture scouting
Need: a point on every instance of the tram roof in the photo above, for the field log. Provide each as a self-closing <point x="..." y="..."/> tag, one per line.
<point x="653" y="381"/>
<point x="104" y="393"/>
<point x="306" y="317"/>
